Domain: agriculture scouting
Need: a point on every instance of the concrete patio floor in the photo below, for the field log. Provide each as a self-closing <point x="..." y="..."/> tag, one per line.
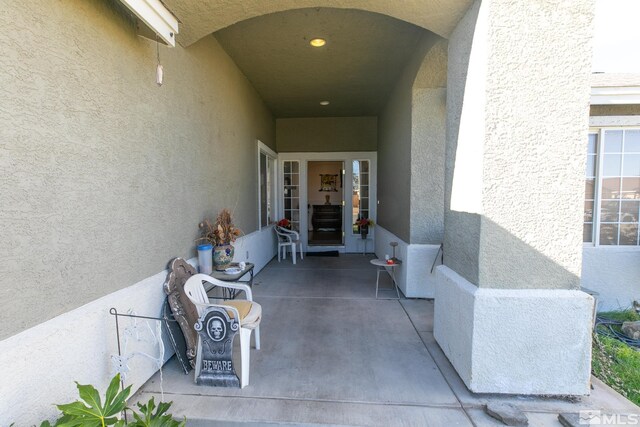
<point x="332" y="354"/>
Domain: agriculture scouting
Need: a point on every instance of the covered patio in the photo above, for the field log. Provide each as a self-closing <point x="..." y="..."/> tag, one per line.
<point x="333" y="354"/>
<point x="460" y="127"/>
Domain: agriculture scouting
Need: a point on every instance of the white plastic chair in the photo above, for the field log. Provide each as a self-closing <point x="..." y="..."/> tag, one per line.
<point x="194" y="289"/>
<point x="290" y="238"/>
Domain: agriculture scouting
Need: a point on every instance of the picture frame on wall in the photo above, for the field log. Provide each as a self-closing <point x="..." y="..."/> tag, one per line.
<point x="328" y="182"/>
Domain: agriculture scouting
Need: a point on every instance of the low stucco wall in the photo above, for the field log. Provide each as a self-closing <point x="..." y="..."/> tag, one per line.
<point x="613" y="272"/>
<point x="414" y="277"/>
<point x="107" y="175"/>
<point x="80" y="343"/>
<point x="514" y="341"/>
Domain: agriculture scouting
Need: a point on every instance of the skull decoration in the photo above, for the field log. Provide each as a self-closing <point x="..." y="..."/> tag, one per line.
<point x="217" y="330"/>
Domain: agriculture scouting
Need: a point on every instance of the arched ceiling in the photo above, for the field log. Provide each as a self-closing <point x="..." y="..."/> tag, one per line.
<point x="199" y="18"/>
<point x="355" y="71"/>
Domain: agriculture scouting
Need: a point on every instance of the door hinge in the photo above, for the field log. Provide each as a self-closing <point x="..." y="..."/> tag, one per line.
<point x="343" y="203"/>
<point x="343" y="171"/>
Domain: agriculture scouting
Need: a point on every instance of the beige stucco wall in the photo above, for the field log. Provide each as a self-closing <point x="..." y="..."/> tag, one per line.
<point x="411" y="133"/>
<point x="429" y="115"/>
<point x="105" y="175"/>
<point x="327" y="134"/>
<point x="513" y="220"/>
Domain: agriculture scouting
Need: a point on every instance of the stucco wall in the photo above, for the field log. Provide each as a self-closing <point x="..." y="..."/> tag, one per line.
<point x="410" y="132"/>
<point x="325" y="134"/>
<point x="613" y="272"/>
<point x="109" y="175"/>
<point x="429" y="115"/>
<point x="462" y="226"/>
<point x="515" y="204"/>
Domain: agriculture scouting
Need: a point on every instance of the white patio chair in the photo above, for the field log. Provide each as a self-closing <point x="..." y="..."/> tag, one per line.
<point x="247" y="311"/>
<point x="286" y="238"/>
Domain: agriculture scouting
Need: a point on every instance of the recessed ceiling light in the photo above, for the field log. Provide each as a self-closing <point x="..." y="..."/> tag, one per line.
<point x="324" y="102"/>
<point x="318" y="42"/>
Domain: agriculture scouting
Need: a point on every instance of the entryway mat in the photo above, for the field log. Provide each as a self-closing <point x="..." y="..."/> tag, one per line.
<point x="325" y="253"/>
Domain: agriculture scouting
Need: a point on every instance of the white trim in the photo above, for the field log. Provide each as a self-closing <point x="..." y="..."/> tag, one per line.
<point x="157" y="17"/>
<point x="598" y="190"/>
<point x="270" y="154"/>
<point x="615" y="95"/>
<point x="265" y="149"/>
<point x="613" y="121"/>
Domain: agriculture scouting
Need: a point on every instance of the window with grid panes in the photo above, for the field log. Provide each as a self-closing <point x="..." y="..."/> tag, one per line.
<point x="612" y="191"/>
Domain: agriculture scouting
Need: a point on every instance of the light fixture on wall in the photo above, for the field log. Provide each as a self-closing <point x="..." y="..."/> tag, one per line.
<point x="324" y="103"/>
<point x="317" y="42"/>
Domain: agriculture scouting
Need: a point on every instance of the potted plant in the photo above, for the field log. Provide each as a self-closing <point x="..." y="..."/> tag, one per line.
<point x="364" y="224"/>
<point x="221" y="234"/>
<point x="284" y="223"/>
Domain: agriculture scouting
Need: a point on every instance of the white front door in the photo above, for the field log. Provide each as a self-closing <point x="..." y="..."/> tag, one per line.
<point x="358" y="188"/>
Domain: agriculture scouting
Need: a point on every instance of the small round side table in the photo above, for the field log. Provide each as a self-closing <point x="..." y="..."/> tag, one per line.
<point x="389" y="268"/>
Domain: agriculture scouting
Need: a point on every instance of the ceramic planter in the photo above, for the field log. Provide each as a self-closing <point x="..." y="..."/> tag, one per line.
<point x="222" y="256"/>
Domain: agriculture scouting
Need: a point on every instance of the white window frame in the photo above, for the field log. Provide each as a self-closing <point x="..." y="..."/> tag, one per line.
<point x="272" y="188"/>
<point x="600" y="131"/>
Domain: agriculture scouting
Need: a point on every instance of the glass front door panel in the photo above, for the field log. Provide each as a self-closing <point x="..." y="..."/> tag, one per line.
<point x="360" y="196"/>
<point x="291" y="193"/>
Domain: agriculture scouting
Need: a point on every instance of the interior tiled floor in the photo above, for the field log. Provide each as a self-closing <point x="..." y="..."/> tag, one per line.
<point x="333" y="354"/>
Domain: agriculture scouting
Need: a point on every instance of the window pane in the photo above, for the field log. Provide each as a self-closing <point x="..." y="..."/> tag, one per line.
<point x="356" y="196"/>
<point x="364" y="191"/>
<point x="263" y="190"/>
<point x="593" y="138"/>
<point x="613" y="141"/>
<point x="609" y="211"/>
<point x="610" y="188"/>
<point x="364" y="180"/>
<point x="632" y="141"/>
<point x="630" y="188"/>
<point x="628" y="234"/>
<point x="287" y="167"/>
<point x="588" y="211"/>
<point x="587" y="233"/>
<point x="294" y="167"/>
<point x="591" y="166"/>
<point x="609" y="234"/>
<point x="631" y="165"/>
<point x="365" y="166"/>
<point x="629" y="211"/>
<point x="612" y="165"/>
<point x="589" y="188"/>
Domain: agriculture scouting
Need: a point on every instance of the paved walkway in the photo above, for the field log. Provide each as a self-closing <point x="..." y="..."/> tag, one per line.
<point x="333" y="354"/>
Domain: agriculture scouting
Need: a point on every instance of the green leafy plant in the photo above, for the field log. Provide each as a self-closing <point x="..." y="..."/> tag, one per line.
<point x="90" y="411"/>
<point x="159" y="418"/>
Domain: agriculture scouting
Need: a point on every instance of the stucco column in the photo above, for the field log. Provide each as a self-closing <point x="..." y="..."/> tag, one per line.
<point x="509" y="313"/>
